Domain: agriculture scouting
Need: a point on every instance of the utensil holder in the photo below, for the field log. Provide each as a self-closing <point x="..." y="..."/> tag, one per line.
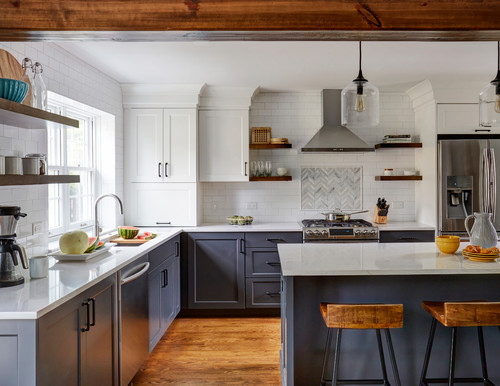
<point x="378" y="219"/>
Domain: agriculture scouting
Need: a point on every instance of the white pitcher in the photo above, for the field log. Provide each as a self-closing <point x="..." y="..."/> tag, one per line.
<point x="483" y="232"/>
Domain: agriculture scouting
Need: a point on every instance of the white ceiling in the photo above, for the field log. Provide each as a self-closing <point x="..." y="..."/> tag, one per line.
<point x="284" y="66"/>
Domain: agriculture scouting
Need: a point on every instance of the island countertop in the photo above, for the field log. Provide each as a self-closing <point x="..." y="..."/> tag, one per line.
<point x="345" y="259"/>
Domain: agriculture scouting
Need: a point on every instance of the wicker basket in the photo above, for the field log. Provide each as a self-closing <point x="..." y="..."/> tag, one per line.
<point x="261" y="135"/>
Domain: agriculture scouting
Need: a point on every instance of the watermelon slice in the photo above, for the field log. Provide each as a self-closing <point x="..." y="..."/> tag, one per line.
<point x="100" y="245"/>
<point x="147" y="236"/>
<point x="93" y="243"/>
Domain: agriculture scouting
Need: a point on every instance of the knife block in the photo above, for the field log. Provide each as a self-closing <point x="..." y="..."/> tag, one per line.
<point x="378" y="219"/>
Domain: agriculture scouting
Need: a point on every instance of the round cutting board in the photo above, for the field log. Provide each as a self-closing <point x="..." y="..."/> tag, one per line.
<point x="10" y="68"/>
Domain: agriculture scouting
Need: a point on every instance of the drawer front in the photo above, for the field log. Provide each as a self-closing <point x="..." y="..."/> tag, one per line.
<point x="164" y="251"/>
<point x="407" y="236"/>
<point x="271" y="239"/>
<point x="262" y="262"/>
<point x="263" y="293"/>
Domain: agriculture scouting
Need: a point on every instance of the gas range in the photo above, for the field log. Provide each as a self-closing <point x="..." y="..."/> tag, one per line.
<point x="352" y="230"/>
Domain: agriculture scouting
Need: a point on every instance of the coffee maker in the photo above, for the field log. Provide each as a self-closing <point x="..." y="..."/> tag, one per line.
<point x="9" y="270"/>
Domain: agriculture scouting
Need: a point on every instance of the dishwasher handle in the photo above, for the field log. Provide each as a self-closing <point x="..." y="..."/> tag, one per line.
<point x="142" y="271"/>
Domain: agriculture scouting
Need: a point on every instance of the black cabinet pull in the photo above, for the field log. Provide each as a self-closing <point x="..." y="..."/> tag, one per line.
<point x="479" y="130"/>
<point x="242" y="246"/>
<point x="273" y="263"/>
<point x="159" y="169"/>
<point x="162" y="279"/>
<point x="164" y="275"/>
<point x="163" y="223"/>
<point x="166" y="166"/>
<point x="246" y="163"/>
<point x="87" y="305"/>
<point x="273" y="293"/>
<point x="276" y="240"/>
<point x="92" y="300"/>
<point x="408" y="239"/>
<point x="177" y="249"/>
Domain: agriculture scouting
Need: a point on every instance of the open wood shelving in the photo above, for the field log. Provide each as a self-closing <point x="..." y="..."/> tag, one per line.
<point x="272" y="178"/>
<point x="27" y="117"/>
<point x="398" y="178"/>
<point x="398" y="145"/>
<point x="270" y="146"/>
<point x="6" y="180"/>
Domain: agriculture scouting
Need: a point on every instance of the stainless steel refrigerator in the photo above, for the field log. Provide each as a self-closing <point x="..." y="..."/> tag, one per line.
<point x="467" y="177"/>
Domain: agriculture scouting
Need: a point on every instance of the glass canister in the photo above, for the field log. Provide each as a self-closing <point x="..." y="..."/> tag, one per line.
<point x="43" y="161"/>
<point x="27" y="77"/>
<point x="39" y="88"/>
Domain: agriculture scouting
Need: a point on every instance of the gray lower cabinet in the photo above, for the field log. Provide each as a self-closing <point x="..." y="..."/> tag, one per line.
<point x="262" y="267"/>
<point x="77" y="342"/>
<point x="216" y="270"/>
<point x="407" y="236"/>
<point x="164" y="289"/>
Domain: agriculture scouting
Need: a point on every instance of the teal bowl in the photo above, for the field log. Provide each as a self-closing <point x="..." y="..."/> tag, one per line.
<point x="13" y="90"/>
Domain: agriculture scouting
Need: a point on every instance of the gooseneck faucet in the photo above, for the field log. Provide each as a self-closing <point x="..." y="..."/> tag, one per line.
<point x="96" y="226"/>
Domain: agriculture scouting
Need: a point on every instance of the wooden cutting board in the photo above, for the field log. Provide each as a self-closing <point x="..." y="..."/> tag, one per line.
<point x="10" y="68"/>
<point x="135" y="240"/>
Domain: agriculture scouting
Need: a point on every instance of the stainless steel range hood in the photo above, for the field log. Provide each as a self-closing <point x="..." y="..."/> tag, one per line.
<point x="333" y="137"/>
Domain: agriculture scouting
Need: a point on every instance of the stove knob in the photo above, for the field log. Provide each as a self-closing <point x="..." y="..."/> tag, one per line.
<point x="372" y="232"/>
<point x="365" y="232"/>
<point x="309" y="233"/>
<point x="317" y="234"/>
<point x="324" y="233"/>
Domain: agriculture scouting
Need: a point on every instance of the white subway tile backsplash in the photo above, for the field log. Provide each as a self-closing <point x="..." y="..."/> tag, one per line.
<point x="297" y="116"/>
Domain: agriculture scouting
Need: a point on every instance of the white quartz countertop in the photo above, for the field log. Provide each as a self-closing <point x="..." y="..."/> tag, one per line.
<point x="341" y="259"/>
<point x="405" y="226"/>
<point x="66" y="280"/>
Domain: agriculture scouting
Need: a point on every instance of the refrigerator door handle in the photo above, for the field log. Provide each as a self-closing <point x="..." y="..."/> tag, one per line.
<point x="493" y="184"/>
<point x="483" y="177"/>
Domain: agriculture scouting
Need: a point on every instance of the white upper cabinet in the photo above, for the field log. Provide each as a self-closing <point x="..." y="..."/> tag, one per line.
<point x="459" y="118"/>
<point x="224" y="143"/>
<point x="160" y="145"/>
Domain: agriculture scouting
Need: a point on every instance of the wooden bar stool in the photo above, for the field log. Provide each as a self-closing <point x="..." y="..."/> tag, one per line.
<point x="460" y="314"/>
<point x="361" y="316"/>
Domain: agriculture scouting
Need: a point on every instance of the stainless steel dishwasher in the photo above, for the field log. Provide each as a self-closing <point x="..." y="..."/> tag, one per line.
<point x="134" y="326"/>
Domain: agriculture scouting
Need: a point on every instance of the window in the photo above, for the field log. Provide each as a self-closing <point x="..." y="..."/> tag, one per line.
<point x="71" y="151"/>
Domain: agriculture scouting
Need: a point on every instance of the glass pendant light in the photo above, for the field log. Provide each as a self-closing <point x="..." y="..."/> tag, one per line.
<point x="360" y="102"/>
<point x="489" y="100"/>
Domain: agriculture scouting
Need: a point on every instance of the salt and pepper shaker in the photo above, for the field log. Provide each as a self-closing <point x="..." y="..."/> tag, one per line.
<point x="39" y="88"/>
<point x="28" y="77"/>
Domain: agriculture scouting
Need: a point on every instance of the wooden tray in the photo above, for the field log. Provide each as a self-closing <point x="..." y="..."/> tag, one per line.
<point x="134" y="241"/>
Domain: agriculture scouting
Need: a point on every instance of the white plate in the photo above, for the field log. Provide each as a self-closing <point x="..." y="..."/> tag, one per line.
<point x="83" y="257"/>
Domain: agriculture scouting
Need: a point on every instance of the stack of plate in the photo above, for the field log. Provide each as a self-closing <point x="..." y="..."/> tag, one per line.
<point x="483" y="257"/>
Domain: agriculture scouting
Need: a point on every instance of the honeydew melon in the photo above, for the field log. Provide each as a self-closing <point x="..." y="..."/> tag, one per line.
<point x="74" y="242"/>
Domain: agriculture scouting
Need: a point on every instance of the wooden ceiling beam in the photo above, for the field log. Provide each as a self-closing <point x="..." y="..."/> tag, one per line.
<point x="249" y="20"/>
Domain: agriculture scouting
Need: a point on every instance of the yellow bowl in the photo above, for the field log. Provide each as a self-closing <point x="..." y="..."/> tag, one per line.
<point x="448" y="244"/>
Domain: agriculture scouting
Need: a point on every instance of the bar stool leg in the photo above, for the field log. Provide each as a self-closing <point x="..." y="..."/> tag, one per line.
<point x="453" y="350"/>
<point x="326" y="356"/>
<point x="483" y="357"/>
<point x="393" y="357"/>
<point x="336" y="357"/>
<point x="381" y="355"/>
<point x="428" y="353"/>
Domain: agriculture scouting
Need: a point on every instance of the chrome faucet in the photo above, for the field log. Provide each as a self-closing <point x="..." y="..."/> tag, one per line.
<point x="96" y="226"/>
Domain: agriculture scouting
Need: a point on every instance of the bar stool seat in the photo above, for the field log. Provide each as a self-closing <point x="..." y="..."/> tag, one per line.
<point x="454" y="315"/>
<point x="361" y="316"/>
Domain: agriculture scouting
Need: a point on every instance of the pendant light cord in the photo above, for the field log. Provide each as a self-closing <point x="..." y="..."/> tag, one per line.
<point x="361" y="54"/>
<point x="498" y="57"/>
<point x="360" y="79"/>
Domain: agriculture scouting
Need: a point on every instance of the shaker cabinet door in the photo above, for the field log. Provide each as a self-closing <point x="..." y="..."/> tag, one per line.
<point x="459" y="118"/>
<point x="144" y="145"/>
<point x="224" y="142"/>
<point x="179" y="147"/>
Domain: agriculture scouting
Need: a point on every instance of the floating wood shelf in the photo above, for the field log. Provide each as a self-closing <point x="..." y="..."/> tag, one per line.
<point x="398" y="145"/>
<point x="270" y="146"/>
<point x="273" y="178"/>
<point x="36" y="180"/>
<point x="27" y="117"/>
<point x="398" y="178"/>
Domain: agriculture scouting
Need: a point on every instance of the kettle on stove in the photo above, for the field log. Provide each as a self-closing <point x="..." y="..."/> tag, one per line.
<point x="9" y="251"/>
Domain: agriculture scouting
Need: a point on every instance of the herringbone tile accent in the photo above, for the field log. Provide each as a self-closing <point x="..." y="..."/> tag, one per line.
<point x="330" y="188"/>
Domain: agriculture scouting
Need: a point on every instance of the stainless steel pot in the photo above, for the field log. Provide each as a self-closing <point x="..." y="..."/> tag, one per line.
<point x="338" y="215"/>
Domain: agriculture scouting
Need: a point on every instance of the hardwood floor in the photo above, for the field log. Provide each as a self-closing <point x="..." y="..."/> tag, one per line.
<point x="222" y="351"/>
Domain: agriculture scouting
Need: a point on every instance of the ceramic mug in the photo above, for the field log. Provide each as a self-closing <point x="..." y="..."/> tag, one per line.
<point x="39" y="267"/>
<point x="13" y="165"/>
<point x="31" y="165"/>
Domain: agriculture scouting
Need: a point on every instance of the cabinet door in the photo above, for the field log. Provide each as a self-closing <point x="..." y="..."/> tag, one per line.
<point x="161" y="204"/>
<point x="168" y="293"/>
<point x="155" y="283"/>
<point x="216" y="277"/>
<point x="144" y="145"/>
<point x="58" y="345"/>
<point x="224" y="141"/>
<point x="459" y="118"/>
<point x="177" y="284"/>
<point x="97" y="344"/>
<point x="180" y="150"/>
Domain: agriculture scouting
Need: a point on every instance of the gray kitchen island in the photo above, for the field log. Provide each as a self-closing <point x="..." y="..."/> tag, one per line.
<point x="406" y="273"/>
